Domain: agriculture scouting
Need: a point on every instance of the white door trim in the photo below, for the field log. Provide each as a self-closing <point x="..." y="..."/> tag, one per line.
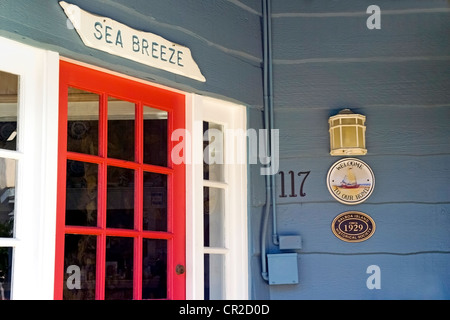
<point x="232" y="116"/>
<point x="35" y="201"/>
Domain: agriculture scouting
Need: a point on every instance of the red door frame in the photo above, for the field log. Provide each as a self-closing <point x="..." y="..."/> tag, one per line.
<point x="142" y="94"/>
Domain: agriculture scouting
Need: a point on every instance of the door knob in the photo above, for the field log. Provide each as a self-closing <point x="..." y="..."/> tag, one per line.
<point x="179" y="269"/>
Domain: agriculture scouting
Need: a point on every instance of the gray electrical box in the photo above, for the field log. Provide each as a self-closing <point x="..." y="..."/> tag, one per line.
<point x="283" y="268"/>
<point x="290" y="242"/>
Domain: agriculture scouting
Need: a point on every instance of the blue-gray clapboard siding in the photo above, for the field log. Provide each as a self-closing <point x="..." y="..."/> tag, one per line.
<point x="418" y="276"/>
<point x="325" y="59"/>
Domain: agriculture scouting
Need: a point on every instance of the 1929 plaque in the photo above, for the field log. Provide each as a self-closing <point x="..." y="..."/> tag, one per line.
<point x="353" y="226"/>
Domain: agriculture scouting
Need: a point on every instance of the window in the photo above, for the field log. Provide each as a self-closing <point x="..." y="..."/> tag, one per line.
<point x="217" y="219"/>
<point x="121" y="202"/>
<point x="28" y="156"/>
<point x="9" y="89"/>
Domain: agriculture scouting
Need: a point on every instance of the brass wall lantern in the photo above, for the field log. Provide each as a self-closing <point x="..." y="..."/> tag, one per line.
<point x="347" y="134"/>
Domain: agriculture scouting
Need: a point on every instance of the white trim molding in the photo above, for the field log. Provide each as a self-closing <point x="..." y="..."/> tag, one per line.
<point x="35" y="197"/>
<point x="232" y="117"/>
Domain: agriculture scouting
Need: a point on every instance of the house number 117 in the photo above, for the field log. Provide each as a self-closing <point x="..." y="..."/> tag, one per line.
<point x="293" y="192"/>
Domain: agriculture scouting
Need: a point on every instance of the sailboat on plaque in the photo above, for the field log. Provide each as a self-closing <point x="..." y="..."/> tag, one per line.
<point x="349" y="181"/>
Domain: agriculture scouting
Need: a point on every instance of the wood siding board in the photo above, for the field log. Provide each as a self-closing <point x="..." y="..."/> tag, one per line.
<point x="360" y="6"/>
<point x="360" y="83"/>
<point x="252" y="6"/>
<point x="398" y="179"/>
<point x="397" y="230"/>
<point x="417" y="276"/>
<point x="304" y="131"/>
<point x="300" y="39"/>
<point x="177" y="20"/>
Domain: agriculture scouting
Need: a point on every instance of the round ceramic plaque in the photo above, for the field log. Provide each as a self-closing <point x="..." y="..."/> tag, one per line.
<point x="350" y="181"/>
<point x="353" y="226"/>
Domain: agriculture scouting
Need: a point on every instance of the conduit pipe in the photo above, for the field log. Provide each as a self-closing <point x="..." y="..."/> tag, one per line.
<point x="268" y="125"/>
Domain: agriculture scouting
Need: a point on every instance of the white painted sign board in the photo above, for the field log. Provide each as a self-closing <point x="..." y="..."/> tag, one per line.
<point x="108" y="35"/>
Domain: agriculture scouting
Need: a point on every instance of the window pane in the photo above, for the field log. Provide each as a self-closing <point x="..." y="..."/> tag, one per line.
<point x="81" y="193"/>
<point x="121" y="129"/>
<point x="119" y="268"/>
<point x="213" y="155"/>
<point x="7" y="196"/>
<point x="79" y="267"/>
<point x="214" y="281"/>
<point x="213" y="217"/>
<point x="155" y="202"/>
<point x="9" y="84"/>
<point x="155" y="136"/>
<point x="5" y="272"/>
<point x="83" y="114"/>
<point x="154" y="269"/>
<point x="120" y="198"/>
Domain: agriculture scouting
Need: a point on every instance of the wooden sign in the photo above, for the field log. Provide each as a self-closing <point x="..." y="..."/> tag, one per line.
<point x="110" y="36"/>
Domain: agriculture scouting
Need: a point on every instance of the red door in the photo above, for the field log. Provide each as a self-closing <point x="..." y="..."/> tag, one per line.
<point x="121" y="200"/>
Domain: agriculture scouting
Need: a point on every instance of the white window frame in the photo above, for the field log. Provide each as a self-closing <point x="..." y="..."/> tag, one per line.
<point x="35" y="198"/>
<point x="231" y="116"/>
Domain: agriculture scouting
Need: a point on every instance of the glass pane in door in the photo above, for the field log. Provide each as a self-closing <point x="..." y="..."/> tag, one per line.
<point x="155" y="136"/>
<point x="154" y="269"/>
<point x="119" y="268"/>
<point x="121" y="116"/>
<point x="79" y="267"/>
<point x="155" y="202"/>
<point x="6" y="259"/>
<point x="82" y="121"/>
<point x="9" y="93"/>
<point x="120" y="198"/>
<point x="213" y="152"/>
<point x="81" y="193"/>
<point x="7" y="196"/>
<point x="213" y="217"/>
<point x="214" y="282"/>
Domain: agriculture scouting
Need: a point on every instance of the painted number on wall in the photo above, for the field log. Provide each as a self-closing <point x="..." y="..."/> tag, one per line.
<point x="293" y="193"/>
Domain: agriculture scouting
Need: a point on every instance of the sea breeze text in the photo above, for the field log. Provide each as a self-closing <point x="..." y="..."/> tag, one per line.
<point x="140" y="45"/>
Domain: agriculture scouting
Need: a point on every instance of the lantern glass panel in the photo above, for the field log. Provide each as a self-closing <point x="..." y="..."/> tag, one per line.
<point x="349" y="121"/>
<point x="336" y="138"/>
<point x="349" y="136"/>
<point x="361" y="143"/>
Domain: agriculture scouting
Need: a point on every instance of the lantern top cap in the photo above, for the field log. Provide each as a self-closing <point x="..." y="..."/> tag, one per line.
<point x="346" y="111"/>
